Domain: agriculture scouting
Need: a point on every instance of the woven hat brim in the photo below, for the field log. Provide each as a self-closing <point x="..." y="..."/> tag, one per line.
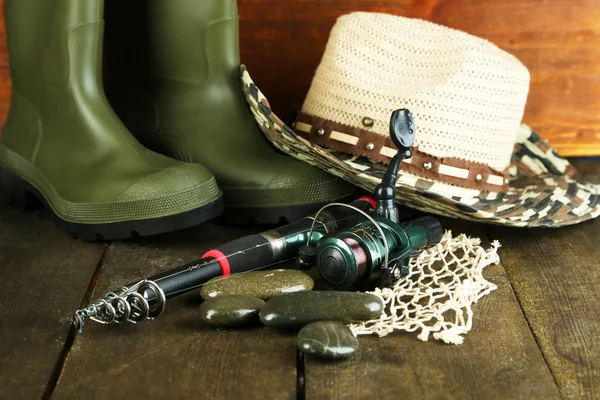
<point x="544" y="189"/>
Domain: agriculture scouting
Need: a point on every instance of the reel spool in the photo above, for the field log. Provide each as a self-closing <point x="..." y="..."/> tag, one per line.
<point x="358" y="254"/>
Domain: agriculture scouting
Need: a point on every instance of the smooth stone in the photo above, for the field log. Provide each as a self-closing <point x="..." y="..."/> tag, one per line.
<point x="231" y="311"/>
<point x="293" y="311"/>
<point x="261" y="284"/>
<point x="330" y="340"/>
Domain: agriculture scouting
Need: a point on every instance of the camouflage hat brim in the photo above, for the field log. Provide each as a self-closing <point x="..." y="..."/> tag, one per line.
<point x="544" y="189"/>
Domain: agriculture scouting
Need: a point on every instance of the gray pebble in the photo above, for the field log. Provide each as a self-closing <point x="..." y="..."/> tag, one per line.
<point x="293" y="311"/>
<point x="330" y="340"/>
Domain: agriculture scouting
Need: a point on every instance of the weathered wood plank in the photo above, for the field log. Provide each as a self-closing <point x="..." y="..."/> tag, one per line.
<point x="175" y="356"/>
<point x="556" y="275"/>
<point x="498" y="359"/>
<point x="44" y="275"/>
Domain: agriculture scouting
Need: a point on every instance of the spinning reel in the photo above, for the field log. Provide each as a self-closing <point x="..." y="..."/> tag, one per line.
<point x="380" y="246"/>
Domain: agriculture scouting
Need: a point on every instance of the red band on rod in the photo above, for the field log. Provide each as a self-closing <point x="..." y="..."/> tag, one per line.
<point x="370" y="200"/>
<point x="221" y="259"/>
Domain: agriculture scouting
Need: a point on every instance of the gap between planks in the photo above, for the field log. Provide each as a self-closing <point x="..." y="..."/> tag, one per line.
<point x="72" y="335"/>
<point x="519" y="302"/>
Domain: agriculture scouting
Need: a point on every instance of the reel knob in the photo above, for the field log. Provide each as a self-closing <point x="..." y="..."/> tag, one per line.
<point x="307" y="257"/>
<point x="333" y="266"/>
<point x="341" y="261"/>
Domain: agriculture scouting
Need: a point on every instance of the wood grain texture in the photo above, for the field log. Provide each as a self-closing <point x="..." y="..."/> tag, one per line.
<point x="44" y="276"/>
<point x="175" y="356"/>
<point x="556" y="275"/>
<point x="499" y="358"/>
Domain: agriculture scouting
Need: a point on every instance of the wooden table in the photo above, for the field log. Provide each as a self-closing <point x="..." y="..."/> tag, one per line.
<point x="537" y="336"/>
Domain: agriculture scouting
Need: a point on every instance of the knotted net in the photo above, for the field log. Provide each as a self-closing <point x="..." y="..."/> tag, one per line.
<point x="436" y="296"/>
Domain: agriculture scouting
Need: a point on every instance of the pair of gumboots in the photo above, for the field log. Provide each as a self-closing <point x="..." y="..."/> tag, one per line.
<point x="128" y="119"/>
<point x="291" y="305"/>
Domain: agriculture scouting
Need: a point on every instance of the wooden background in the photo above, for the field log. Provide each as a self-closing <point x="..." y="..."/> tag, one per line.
<point x="558" y="40"/>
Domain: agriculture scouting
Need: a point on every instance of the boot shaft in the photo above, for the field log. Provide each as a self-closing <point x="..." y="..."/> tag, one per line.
<point x="187" y="41"/>
<point x="58" y="101"/>
<point x="49" y="41"/>
<point x="55" y="50"/>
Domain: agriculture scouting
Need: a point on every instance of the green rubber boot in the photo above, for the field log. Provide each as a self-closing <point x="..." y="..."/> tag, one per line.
<point x="173" y="68"/>
<point x="64" y="145"/>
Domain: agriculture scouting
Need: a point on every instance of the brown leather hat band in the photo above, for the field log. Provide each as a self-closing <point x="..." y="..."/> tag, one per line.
<point x="361" y="142"/>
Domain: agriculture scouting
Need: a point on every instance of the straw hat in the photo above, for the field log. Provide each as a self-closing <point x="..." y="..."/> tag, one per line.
<point x="473" y="158"/>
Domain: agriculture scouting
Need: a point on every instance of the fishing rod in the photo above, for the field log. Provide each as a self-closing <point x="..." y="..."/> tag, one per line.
<point x="146" y="299"/>
<point x="348" y="243"/>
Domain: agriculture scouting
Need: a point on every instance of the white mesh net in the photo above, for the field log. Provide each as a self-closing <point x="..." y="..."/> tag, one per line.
<point x="436" y="296"/>
<point x="466" y="94"/>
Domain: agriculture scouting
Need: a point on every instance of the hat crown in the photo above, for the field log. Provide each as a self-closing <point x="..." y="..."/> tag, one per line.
<point x="466" y="94"/>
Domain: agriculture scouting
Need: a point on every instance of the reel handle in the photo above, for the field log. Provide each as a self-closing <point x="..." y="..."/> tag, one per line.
<point x="402" y="131"/>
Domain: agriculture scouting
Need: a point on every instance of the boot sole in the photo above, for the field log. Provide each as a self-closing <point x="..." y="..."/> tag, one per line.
<point x="245" y="216"/>
<point x="20" y="193"/>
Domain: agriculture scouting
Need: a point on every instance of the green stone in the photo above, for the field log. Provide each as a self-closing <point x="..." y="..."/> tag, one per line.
<point x="294" y="310"/>
<point x="330" y="340"/>
<point x="261" y="284"/>
<point x="231" y="311"/>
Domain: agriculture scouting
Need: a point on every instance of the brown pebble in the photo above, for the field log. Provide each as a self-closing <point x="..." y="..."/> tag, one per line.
<point x="261" y="284"/>
<point x="231" y="311"/>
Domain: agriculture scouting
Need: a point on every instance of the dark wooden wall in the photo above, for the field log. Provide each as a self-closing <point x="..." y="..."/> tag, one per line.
<point x="4" y="75"/>
<point x="558" y="40"/>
